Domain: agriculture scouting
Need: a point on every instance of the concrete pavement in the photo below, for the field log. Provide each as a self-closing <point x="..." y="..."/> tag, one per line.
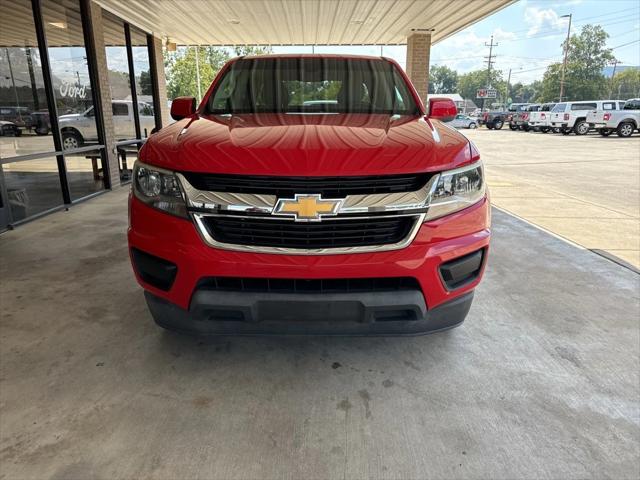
<point x="585" y="189"/>
<point x="542" y="380"/>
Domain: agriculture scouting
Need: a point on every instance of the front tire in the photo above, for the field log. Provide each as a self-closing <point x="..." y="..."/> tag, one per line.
<point x="625" y="129"/>
<point x="71" y="140"/>
<point x="472" y="125"/>
<point x="498" y="124"/>
<point x="581" y="128"/>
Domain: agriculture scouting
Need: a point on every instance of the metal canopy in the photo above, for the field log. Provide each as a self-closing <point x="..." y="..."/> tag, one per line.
<point x="301" y="22"/>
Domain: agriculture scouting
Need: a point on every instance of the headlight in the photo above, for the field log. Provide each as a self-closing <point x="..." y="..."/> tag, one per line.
<point x="455" y="190"/>
<point x="159" y="189"/>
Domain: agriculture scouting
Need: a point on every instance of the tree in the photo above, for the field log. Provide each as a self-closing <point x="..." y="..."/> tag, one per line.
<point x="442" y="80"/>
<point x="625" y="84"/>
<point x="469" y="83"/>
<point x="180" y="67"/>
<point x="182" y="75"/>
<point x="145" y="83"/>
<point x="586" y="58"/>
<point x="523" y="93"/>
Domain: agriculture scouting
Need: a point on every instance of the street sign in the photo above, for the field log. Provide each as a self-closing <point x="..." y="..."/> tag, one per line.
<point x="487" y="93"/>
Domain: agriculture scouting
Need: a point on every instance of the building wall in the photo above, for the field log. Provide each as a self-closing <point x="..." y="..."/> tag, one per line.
<point x="105" y="94"/>
<point x="418" y="52"/>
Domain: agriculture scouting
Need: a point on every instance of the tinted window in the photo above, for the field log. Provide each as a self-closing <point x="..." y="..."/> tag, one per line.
<point x="620" y="105"/>
<point x="608" y="106"/>
<point x="632" y="105"/>
<point x="120" y="109"/>
<point x="560" y="107"/>
<point x="332" y="85"/>
<point x="583" y="106"/>
<point x="546" y="108"/>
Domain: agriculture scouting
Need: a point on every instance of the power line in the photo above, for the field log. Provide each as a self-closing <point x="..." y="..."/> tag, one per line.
<point x="582" y="19"/>
<point x="625" y="44"/>
<point x="556" y="33"/>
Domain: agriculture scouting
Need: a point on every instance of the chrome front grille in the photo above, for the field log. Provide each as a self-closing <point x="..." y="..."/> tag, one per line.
<point x="327" y="187"/>
<point x="388" y="217"/>
<point x="326" y="234"/>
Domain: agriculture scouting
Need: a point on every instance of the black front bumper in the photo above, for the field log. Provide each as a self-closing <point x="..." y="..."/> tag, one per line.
<point x="361" y="313"/>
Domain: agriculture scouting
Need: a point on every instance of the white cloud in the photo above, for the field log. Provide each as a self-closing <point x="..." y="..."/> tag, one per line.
<point x="539" y="19"/>
<point x="466" y="50"/>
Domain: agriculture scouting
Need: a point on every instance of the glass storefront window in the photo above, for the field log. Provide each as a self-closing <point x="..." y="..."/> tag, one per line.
<point x="144" y="90"/>
<point x="32" y="186"/>
<point x="24" y="115"/>
<point x="84" y="173"/>
<point x="119" y="79"/>
<point x="70" y="73"/>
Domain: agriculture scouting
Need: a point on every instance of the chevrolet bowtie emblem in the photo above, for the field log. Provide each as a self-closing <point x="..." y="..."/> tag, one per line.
<point x="307" y="208"/>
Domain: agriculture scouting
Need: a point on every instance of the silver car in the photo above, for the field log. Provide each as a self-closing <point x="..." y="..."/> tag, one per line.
<point x="463" y="121"/>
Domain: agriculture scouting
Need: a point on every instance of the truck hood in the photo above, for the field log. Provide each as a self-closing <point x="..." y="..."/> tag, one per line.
<point x="306" y="145"/>
<point x="70" y="117"/>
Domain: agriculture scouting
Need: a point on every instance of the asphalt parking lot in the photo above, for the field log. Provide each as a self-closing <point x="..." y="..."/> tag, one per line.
<point x="542" y="380"/>
<point x="585" y="189"/>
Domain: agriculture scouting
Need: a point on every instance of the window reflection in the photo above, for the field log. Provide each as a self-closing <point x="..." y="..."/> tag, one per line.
<point x="70" y="72"/>
<point x="84" y="173"/>
<point x="32" y="186"/>
<point x="24" y="115"/>
<point x="119" y="80"/>
<point x="144" y="90"/>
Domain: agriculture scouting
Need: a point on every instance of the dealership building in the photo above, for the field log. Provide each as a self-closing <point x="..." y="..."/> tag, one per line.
<point x="82" y="83"/>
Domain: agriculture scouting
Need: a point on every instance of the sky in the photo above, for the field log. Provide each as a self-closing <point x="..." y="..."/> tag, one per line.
<point x="529" y="35"/>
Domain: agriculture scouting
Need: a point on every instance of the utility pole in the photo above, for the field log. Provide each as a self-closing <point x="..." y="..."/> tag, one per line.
<point x="506" y="93"/>
<point x="613" y="74"/>
<point x="566" y="51"/>
<point x="489" y="62"/>
<point x="198" y="73"/>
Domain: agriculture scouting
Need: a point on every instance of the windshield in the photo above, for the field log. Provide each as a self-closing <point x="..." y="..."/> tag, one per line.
<point x="312" y="85"/>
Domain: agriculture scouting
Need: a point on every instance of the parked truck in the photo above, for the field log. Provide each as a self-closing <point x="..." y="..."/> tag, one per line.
<point x="309" y="194"/>
<point x="540" y="119"/>
<point x="623" y="121"/>
<point x="521" y="118"/>
<point x="80" y="128"/>
<point x="512" y="114"/>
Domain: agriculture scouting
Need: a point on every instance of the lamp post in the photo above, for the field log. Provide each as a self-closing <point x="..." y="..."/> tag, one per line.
<point x="566" y="51"/>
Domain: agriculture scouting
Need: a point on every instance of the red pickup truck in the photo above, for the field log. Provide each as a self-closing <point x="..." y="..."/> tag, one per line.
<point x="309" y="195"/>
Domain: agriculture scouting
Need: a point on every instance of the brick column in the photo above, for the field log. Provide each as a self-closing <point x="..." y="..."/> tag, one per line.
<point x="418" y="51"/>
<point x="161" y="80"/>
<point x="95" y="12"/>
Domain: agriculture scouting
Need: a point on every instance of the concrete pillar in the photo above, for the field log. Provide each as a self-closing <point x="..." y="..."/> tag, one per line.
<point x="418" y="52"/>
<point x="95" y="11"/>
<point x="161" y="79"/>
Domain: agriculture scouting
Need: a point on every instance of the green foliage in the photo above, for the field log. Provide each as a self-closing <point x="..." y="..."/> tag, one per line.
<point x="442" y="79"/>
<point x="586" y="58"/>
<point x="625" y="84"/>
<point x="469" y="83"/>
<point x="145" y="83"/>
<point x="520" y="93"/>
<point x="180" y="67"/>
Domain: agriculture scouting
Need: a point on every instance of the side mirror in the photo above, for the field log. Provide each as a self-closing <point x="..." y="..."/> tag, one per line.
<point x="442" y="109"/>
<point x="183" y="107"/>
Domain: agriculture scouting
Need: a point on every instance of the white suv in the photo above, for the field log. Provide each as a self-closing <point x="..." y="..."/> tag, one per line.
<point x="572" y="116"/>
